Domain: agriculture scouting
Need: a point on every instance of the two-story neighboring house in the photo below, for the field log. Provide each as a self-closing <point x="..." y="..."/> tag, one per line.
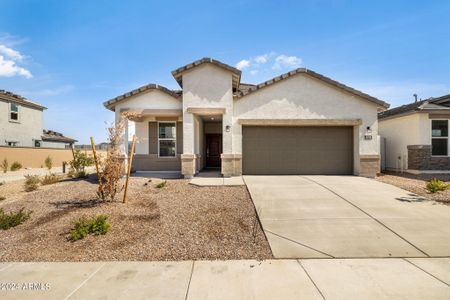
<point x="21" y="124"/>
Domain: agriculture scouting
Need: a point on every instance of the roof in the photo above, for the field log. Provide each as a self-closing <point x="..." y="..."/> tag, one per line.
<point x="317" y="76"/>
<point x="53" y="136"/>
<point x="440" y="103"/>
<point x="11" y="97"/>
<point x="177" y="74"/>
<point x="152" y="86"/>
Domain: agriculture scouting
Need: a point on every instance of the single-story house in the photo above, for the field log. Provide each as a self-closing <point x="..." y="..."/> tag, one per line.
<point x="300" y="122"/>
<point x="416" y="136"/>
<point x="21" y="124"/>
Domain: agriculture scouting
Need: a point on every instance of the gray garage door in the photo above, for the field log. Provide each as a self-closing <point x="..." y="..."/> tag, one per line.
<point x="297" y="150"/>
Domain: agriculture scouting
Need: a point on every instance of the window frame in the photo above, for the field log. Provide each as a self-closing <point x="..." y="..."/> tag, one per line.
<point x="441" y="138"/>
<point x="10" y="111"/>
<point x="167" y="139"/>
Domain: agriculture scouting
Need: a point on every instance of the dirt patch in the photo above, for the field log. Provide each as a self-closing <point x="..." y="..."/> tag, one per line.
<point x="417" y="184"/>
<point x="177" y="222"/>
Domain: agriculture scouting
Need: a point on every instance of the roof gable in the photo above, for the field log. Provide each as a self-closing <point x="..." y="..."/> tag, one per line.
<point x="178" y="73"/>
<point x="243" y="93"/>
<point x="11" y="97"/>
<point x="110" y="104"/>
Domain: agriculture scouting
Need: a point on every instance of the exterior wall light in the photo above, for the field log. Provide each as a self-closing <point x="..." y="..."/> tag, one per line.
<point x="227" y="128"/>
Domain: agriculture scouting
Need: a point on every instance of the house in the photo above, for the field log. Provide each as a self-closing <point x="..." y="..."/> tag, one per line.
<point x="300" y="122"/>
<point x="416" y="136"/>
<point x="21" y="124"/>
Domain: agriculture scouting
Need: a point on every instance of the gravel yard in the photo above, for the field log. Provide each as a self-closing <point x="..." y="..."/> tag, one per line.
<point x="176" y="222"/>
<point x="417" y="184"/>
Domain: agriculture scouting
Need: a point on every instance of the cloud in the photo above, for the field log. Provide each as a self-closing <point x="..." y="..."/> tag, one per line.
<point x="262" y="59"/>
<point x="8" y="68"/>
<point x="243" y="64"/>
<point x="254" y="72"/>
<point x="8" y="63"/>
<point x="284" y="61"/>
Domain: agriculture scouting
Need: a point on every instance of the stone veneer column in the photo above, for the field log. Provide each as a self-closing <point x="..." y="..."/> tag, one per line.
<point x="231" y="164"/>
<point x="188" y="165"/>
<point x="369" y="165"/>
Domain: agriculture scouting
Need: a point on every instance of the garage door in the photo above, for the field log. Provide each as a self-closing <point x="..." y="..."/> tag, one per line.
<point x="297" y="150"/>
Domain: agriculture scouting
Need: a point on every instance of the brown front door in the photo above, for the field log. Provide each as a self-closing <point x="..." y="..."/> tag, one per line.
<point x="213" y="150"/>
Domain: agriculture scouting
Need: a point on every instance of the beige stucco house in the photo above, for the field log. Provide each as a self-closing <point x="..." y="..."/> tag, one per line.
<point x="297" y="123"/>
<point x="21" y="124"/>
<point x="416" y="136"/>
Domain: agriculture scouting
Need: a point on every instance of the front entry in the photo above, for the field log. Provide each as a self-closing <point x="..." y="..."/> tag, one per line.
<point x="213" y="150"/>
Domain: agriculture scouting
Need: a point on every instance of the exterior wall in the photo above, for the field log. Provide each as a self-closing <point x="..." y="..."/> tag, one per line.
<point x="206" y="86"/>
<point x="304" y="97"/>
<point x="35" y="157"/>
<point x="28" y="129"/>
<point x="409" y="137"/>
<point x="56" y="145"/>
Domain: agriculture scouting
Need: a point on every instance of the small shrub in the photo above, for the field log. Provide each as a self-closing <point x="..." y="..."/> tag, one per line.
<point x="79" y="163"/>
<point x="13" y="219"/>
<point x="48" y="163"/>
<point x="2" y="198"/>
<point x="5" y="165"/>
<point x="161" y="185"/>
<point x="83" y="226"/>
<point x="16" y="166"/>
<point x="51" y="179"/>
<point x="31" y="183"/>
<point x="436" y="185"/>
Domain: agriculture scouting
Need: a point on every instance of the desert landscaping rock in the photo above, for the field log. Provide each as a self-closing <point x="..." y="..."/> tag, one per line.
<point x="177" y="222"/>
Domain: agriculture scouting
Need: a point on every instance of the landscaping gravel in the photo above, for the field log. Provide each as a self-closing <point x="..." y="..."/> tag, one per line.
<point x="177" y="222"/>
<point x="417" y="184"/>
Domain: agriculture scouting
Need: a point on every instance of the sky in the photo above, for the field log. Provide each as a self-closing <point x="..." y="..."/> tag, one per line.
<point x="71" y="56"/>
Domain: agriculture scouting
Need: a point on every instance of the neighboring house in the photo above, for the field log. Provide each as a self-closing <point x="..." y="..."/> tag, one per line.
<point x="21" y="124"/>
<point x="298" y="123"/>
<point x="416" y="136"/>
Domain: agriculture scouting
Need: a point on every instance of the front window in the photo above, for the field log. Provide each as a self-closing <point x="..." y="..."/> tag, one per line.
<point x="167" y="132"/>
<point x="37" y="143"/>
<point x="12" y="144"/>
<point x="439" y="137"/>
<point x="13" y="112"/>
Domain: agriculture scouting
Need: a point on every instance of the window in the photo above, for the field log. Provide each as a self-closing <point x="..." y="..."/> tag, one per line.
<point x="37" y="143"/>
<point x="167" y="132"/>
<point x="13" y="112"/>
<point x="439" y="137"/>
<point x="12" y="144"/>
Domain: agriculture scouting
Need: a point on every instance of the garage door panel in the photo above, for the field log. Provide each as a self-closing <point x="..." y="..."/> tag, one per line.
<point x="297" y="150"/>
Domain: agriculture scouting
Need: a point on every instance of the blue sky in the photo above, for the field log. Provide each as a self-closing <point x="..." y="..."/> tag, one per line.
<point x="71" y="56"/>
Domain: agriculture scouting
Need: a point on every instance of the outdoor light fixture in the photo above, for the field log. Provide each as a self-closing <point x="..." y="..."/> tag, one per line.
<point x="368" y="135"/>
<point x="227" y="128"/>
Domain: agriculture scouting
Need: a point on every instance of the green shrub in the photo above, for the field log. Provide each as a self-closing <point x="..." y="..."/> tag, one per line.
<point x="436" y="185"/>
<point x="83" y="226"/>
<point x="48" y="163"/>
<point x="31" y="183"/>
<point x="16" y="166"/>
<point x="13" y="219"/>
<point x="5" y="165"/>
<point x="51" y="179"/>
<point x="79" y="163"/>
<point x="161" y="185"/>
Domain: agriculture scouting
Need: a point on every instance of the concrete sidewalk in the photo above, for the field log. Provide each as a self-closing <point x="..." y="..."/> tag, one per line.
<point x="391" y="278"/>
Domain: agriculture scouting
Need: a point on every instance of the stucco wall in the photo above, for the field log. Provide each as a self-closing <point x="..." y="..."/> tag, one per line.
<point x="207" y="86"/>
<point x="413" y="129"/>
<point x="304" y="97"/>
<point x="28" y="129"/>
<point x="55" y="145"/>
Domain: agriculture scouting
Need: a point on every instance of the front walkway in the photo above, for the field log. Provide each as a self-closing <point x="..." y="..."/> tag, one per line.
<point x="347" y="217"/>
<point x="214" y="178"/>
<point x="427" y="278"/>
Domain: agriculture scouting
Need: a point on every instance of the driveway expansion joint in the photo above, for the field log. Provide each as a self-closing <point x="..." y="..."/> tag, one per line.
<point x="84" y="281"/>
<point x="425" y="271"/>
<point x="189" y="282"/>
<point x="309" y="276"/>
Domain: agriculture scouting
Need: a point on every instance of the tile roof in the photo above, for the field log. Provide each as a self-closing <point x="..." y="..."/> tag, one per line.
<point x="440" y="103"/>
<point x="152" y="86"/>
<point x="315" y="75"/>
<point x="178" y="72"/>
<point x="9" y="96"/>
<point x="53" y="136"/>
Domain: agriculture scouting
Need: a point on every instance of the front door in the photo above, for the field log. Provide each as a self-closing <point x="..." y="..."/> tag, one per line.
<point x="213" y="150"/>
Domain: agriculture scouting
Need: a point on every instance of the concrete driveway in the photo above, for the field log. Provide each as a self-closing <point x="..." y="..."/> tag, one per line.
<point x="347" y="217"/>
